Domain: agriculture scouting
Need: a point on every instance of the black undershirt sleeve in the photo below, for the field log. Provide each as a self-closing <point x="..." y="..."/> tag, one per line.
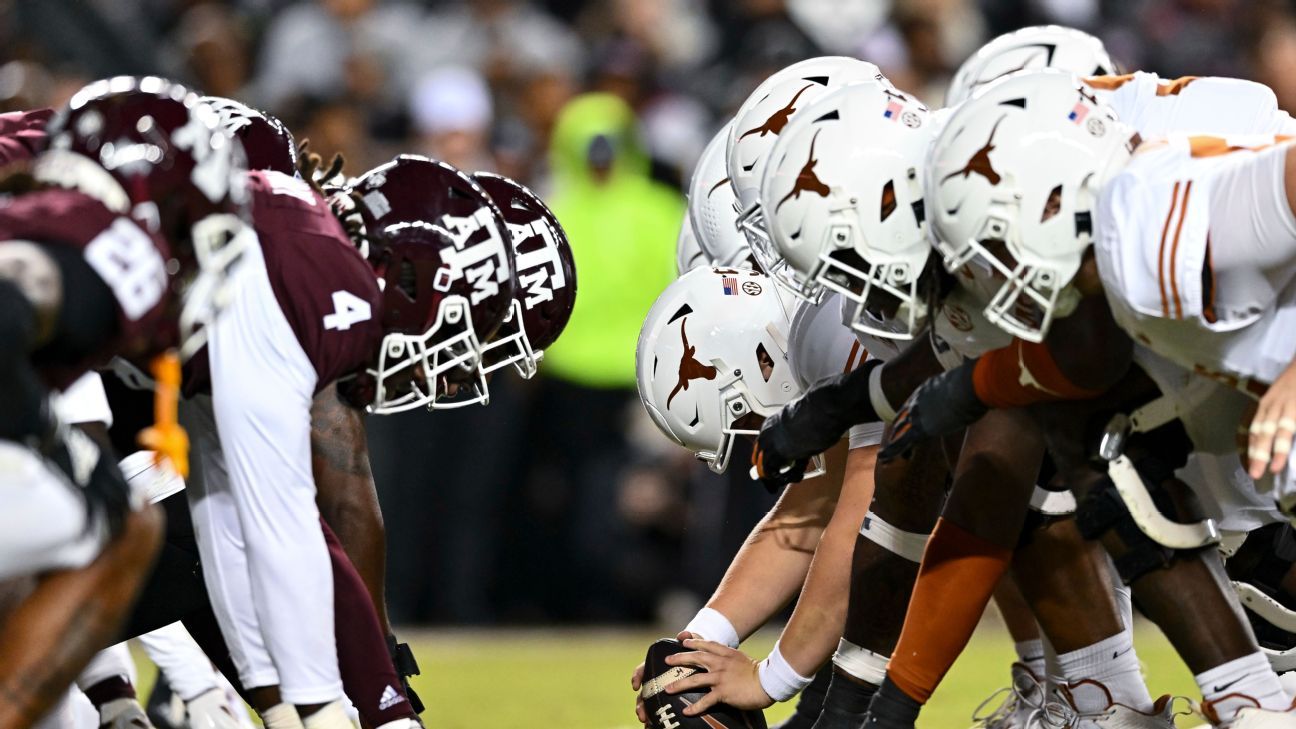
<point x="87" y="318"/>
<point x="86" y="322"/>
<point x="21" y="391"/>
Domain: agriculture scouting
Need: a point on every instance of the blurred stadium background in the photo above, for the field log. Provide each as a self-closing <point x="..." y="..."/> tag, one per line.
<point x="559" y="505"/>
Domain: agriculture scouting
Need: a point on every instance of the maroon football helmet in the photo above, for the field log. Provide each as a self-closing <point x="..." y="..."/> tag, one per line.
<point x="149" y="148"/>
<point x="546" y="277"/>
<point x="439" y="245"/>
<point x="266" y="141"/>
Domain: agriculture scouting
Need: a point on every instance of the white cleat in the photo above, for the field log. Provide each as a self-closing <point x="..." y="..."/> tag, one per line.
<point x="123" y="714"/>
<point x="1016" y="703"/>
<point x="1114" y="715"/>
<point x="1251" y="717"/>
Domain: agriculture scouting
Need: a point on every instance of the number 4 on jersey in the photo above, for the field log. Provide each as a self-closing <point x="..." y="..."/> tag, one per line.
<point x="348" y="309"/>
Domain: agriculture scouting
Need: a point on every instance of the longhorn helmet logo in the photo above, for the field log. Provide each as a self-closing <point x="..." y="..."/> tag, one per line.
<point x="779" y="119"/>
<point x="806" y="180"/>
<point x="689" y="367"/>
<point x="980" y="161"/>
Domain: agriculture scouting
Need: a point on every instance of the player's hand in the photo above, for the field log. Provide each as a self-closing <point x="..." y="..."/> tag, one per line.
<point x="210" y="710"/>
<point x="731" y="677"/>
<point x="942" y="405"/>
<point x="636" y="682"/>
<point x="1273" y="427"/>
<point x="791" y="437"/>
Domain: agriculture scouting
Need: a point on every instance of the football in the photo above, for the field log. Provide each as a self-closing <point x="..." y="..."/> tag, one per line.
<point x="666" y="711"/>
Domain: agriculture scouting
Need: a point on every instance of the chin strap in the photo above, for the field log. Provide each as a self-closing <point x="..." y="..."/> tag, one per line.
<point x="165" y="437"/>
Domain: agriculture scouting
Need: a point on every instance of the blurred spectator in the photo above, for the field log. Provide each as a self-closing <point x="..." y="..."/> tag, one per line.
<point x="332" y="127"/>
<point x="334" y="48"/>
<point x="1191" y="37"/>
<point x="621" y="225"/>
<point x="922" y="43"/>
<point x="1275" y="57"/>
<point x="213" y="48"/>
<point x="501" y="38"/>
<point x="452" y="112"/>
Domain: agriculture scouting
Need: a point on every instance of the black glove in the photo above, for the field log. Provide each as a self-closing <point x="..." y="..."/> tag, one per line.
<point x="94" y="473"/>
<point x="944" y="404"/>
<point x="811" y="424"/>
<point x="403" y="659"/>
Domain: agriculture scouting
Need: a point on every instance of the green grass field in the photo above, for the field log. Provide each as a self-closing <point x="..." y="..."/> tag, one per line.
<point x="580" y="679"/>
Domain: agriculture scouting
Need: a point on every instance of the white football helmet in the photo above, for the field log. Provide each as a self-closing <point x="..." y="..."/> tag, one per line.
<point x="713" y="353"/>
<point x="1034" y="48"/>
<point x="1012" y="181"/>
<point x="712" y="210"/>
<point x="757" y="125"/>
<point x="688" y="254"/>
<point x="842" y="195"/>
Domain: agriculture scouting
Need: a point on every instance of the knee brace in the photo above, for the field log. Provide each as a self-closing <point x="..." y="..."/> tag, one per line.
<point x="1257" y="570"/>
<point x="1105" y="509"/>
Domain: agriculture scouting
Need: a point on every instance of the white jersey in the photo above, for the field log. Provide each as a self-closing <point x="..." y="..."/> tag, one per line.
<point x="1210" y="413"/>
<point x="84" y="401"/>
<point x="819" y="347"/>
<point x="1156" y="107"/>
<point x="1156" y="221"/>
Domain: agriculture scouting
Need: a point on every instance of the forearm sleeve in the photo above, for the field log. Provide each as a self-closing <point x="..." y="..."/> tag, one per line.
<point x="24" y="413"/>
<point x="958" y="575"/>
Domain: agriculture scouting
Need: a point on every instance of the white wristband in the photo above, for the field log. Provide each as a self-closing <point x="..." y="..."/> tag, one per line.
<point x="878" y="399"/>
<point x="778" y="678"/>
<point x="711" y="624"/>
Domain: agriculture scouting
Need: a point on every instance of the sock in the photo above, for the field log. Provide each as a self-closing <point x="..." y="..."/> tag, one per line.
<point x="110" y="689"/>
<point x="1052" y="670"/>
<point x="1124" y="603"/>
<point x="1241" y="683"/>
<point x="1111" y="662"/>
<point x="891" y="708"/>
<point x="810" y="701"/>
<point x="1030" y="653"/>
<point x="281" y="716"/>
<point x="847" y="704"/>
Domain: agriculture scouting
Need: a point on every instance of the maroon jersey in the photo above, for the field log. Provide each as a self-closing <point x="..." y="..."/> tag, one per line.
<point x="22" y="134"/>
<point x="326" y="291"/>
<point x="130" y="261"/>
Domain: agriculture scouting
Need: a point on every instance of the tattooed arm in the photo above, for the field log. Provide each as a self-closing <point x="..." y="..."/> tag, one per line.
<point x="347" y="498"/>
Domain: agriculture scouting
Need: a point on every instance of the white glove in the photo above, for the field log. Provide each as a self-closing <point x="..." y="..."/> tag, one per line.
<point x="210" y="710"/>
<point x="123" y="714"/>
